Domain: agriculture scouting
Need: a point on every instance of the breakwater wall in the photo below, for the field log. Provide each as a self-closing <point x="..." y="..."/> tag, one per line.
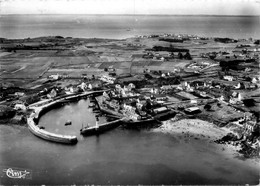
<point x="38" y="111"/>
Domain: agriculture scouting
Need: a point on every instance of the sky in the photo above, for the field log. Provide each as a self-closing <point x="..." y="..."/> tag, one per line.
<point x="171" y="7"/>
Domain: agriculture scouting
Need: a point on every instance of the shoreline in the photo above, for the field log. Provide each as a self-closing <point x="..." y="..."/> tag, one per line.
<point x="191" y="130"/>
<point x="193" y="127"/>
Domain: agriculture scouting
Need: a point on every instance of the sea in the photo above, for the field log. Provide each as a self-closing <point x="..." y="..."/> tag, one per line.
<point x="125" y="26"/>
<point x="118" y="157"/>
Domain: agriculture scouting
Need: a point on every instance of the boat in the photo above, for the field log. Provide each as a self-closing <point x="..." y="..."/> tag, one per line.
<point x="41" y="127"/>
<point x="97" y="129"/>
<point x="68" y="123"/>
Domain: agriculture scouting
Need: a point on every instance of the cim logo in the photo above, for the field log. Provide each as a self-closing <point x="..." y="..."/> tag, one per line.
<point x="16" y="173"/>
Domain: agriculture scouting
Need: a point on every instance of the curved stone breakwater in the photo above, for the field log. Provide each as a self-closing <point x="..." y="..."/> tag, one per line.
<point x="33" y="119"/>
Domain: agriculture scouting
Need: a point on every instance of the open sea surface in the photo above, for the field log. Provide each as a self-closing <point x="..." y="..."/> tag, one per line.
<point x="124" y="26"/>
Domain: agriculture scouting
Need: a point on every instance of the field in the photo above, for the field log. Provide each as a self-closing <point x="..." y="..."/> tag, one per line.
<point x="74" y="57"/>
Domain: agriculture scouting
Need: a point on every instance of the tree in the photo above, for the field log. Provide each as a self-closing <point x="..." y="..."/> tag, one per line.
<point x="180" y="56"/>
<point x="207" y="107"/>
<point x="220" y="75"/>
<point x="242" y="85"/>
<point x="148" y="105"/>
<point x="187" y="56"/>
<point x="257" y="42"/>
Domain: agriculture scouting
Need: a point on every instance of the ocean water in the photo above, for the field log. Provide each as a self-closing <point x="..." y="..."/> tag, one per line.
<point x="118" y="156"/>
<point x="124" y="26"/>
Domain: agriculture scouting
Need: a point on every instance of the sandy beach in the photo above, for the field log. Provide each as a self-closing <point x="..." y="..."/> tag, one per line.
<point x="193" y="128"/>
<point x="190" y="130"/>
<point x="202" y="133"/>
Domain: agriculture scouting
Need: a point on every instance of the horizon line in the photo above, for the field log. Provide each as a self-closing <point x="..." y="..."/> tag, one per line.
<point x="188" y="15"/>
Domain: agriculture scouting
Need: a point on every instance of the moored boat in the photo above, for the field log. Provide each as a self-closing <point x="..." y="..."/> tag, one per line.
<point x="68" y="123"/>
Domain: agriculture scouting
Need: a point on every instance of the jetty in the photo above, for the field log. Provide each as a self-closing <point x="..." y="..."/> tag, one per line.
<point x="94" y="130"/>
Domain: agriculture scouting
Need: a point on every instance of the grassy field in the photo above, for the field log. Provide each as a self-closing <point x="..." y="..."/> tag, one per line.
<point x="91" y="56"/>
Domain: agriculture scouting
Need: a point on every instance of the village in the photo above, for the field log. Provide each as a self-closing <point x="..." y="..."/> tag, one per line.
<point x="146" y="78"/>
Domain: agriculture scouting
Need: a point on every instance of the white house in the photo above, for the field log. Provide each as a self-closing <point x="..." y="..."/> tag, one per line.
<point x="19" y="94"/>
<point x="238" y="86"/>
<point x="221" y="98"/>
<point x="90" y="86"/>
<point x="55" y="77"/>
<point x="52" y="94"/>
<point x="107" y="79"/>
<point x="131" y="86"/>
<point x="254" y="80"/>
<point x="20" y="107"/>
<point x="229" y="78"/>
<point x="193" y="101"/>
<point x="83" y="86"/>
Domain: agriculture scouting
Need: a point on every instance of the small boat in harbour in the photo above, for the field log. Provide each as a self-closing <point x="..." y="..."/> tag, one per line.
<point x="68" y="123"/>
<point x="41" y="127"/>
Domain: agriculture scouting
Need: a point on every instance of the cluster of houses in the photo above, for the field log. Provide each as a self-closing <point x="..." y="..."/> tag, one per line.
<point x="174" y="36"/>
<point x="248" y="125"/>
<point x="56" y="77"/>
<point x="165" y="56"/>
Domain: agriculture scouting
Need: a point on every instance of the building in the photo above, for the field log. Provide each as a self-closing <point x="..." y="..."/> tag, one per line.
<point x="52" y="94"/>
<point x="55" y="77"/>
<point x="228" y="78"/>
<point x="249" y="127"/>
<point x="83" y="86"/>
<point x="19" y="94"/>
<point x="192" y="110"/>
<point x="254" y="80"/>
<point x="20" y="107"/>
<point x="107" y="79"/>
